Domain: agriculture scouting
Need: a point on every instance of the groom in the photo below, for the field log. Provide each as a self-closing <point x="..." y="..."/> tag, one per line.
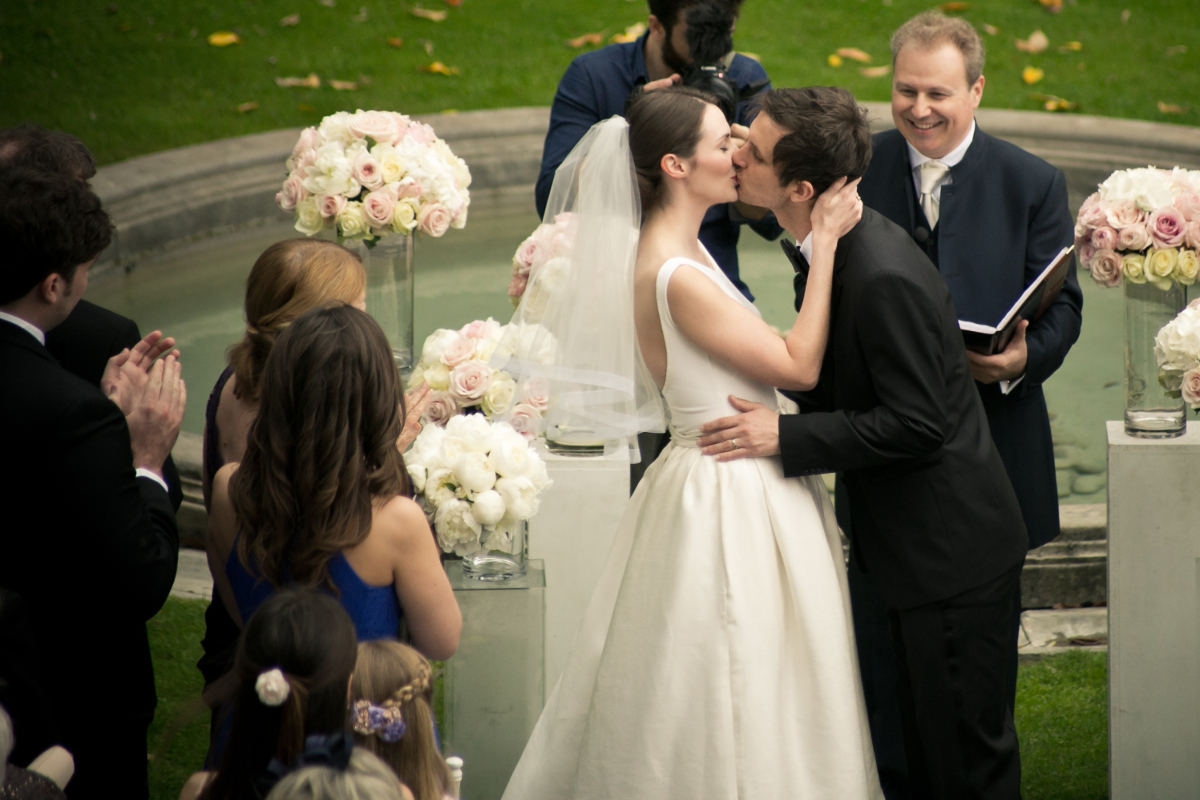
<point x="936" y="526"/>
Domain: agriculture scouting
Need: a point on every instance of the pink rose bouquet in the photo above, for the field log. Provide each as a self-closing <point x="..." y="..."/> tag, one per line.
<point x="549" y="240"/>
<point x="372" y="160"/>
<point x="1142" y="225"/>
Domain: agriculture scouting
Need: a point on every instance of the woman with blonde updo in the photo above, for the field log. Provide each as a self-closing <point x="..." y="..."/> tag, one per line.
<point x="391" y="709"/>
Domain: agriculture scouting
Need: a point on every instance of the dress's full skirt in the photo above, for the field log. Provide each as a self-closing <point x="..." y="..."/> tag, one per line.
<point x="716" y="658"/>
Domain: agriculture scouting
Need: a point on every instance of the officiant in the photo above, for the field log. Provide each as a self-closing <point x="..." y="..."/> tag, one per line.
<point x="991" y="217"/>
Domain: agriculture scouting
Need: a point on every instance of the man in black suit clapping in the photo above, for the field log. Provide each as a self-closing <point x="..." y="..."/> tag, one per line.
<point x="936" y="525"/>
<point x="89" y="540"/>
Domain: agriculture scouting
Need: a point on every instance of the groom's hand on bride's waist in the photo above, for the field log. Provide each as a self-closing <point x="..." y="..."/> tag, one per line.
<point x="752" y="434"/>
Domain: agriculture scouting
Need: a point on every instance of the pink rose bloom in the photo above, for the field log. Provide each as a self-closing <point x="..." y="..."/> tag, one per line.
<point x="525" y="420"/>
<point x="459" y="351"/>
<point x="379" y="207"/>
<point x="1091" y="216"/>
<point x="529" y="255"/>
<point x="378" y="125"/>
<point x="421" y="133"/>
<point x="293" y="192"/>
<point x="308" y="142"/>
<point x="1192" y="236"/>
<point x="434" y="219"/>
<point x="1191" y="387"/>
<point x="1123" y="213"/>
<point x="536" y="394"/>
<point x="441" y="408"/>
<point x="1188" y="204"/>
<point x="1195" y="303"/>
<point x="366" y="171"/>
<point x="1133" y="237"/>
<point x="1106" y="268"/>
<point x="469" y="381"/>
<point x="408" y="188"/>
<point x="1086" y="253"/>
<point x="479" y="329"/>
<point x="402" y="122"/>
<point x="516" y="287"/>
<point x="331" y="205"/>
<point x="1167" y="227"/>
<point x="1104" y="238"/>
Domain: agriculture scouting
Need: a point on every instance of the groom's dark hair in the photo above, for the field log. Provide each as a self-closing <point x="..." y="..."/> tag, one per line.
<point x="827" y="135"/>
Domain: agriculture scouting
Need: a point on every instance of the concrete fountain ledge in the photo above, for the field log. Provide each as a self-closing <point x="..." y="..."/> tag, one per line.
<point x="177" y="195"/>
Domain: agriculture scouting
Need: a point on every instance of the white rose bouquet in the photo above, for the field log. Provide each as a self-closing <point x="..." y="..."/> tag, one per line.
<point x="478" y="481"/>
<point x="538" y="258"/>
<point x="455" y="365"/>
<point x="1177" y="350"/>
<point x="1142" y="226"/>
<point x="373" y="173"/>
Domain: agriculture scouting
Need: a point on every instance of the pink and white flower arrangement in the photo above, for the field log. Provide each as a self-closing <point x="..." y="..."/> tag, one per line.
<point x="478" y="482"/>
<point x="374" y="173"/>
<point x="1142" y="226"/>
<point x="550" y="241"/>
<point x="455" y="365"/>
<point x="1177" y="350"/>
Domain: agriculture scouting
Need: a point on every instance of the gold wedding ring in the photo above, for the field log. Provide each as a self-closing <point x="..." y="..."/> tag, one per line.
<point x="734" y="443"/>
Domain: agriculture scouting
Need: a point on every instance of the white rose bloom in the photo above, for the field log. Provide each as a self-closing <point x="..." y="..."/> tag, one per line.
<point x="537" y="471"/>
<point x="417" y="474"/>
<point x="450" y="451"/>
<point x="391" y="165"/>
<point x="474" y="473"/>
<point x="457" y="529"/>
<point x="404" y="218"/>
<point x="352" y="222"/>
<point x="436" y="344"/>
<point x="529" y="341"/>
<point x="474" y="430"/>
<point x="336" y="129"/>
<point x="510" y="458"/>
<point x="484" y="349"/>
<point x="426" y="446"/>
<point x="499" y="396"/>
<point x="416" y="378"/>
<point x="440" y="487"/>
<point x="438" y="377"/>
<point x="308" y="216"/>
<point x="489" y="507"/>
<point x="520" y="495"/>
<point x="330" y="173"/>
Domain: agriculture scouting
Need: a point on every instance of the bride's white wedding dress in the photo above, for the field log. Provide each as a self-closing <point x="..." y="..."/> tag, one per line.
<point x="716" y="659"/>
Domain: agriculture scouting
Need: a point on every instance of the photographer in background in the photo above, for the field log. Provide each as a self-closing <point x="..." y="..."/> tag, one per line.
<point x="597" y="85"/>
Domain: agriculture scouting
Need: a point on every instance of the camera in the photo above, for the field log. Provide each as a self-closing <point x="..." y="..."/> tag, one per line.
<point x="710" y="43"/>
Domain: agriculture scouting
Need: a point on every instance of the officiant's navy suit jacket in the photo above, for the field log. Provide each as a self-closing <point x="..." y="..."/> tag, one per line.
<point x="1002" y="219"/>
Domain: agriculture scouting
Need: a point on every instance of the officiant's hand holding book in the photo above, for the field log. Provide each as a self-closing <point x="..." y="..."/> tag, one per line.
<point x="1033" y="302"/>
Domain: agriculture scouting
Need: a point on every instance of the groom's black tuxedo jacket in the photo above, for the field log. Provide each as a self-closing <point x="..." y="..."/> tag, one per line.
<point x="91" y="548"/>
<point x="897" y="413"/>
<point x="1002" y="220"/>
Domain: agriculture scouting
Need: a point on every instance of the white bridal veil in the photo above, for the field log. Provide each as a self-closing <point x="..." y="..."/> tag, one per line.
<point x="573" y="336"/>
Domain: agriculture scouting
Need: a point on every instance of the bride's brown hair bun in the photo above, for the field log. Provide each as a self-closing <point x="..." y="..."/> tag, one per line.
<point x="662" y="122"/>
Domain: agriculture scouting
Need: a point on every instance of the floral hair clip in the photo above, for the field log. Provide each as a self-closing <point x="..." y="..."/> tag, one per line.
<point x="272" y="687"/>
<point x="386" y="721"/>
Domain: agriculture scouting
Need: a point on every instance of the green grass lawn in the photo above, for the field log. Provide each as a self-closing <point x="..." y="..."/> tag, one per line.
<point x="136" y="76"/>
<point x="1061" y="714"/>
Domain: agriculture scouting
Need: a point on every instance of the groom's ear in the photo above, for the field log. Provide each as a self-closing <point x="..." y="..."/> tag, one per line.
<point x="800" y="192"/>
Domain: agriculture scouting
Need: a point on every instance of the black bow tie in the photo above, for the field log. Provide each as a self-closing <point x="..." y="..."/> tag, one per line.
<point x="799" y="262"/>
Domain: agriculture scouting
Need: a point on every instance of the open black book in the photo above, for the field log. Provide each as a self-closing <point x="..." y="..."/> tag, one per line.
<point x="1032" y="303"/>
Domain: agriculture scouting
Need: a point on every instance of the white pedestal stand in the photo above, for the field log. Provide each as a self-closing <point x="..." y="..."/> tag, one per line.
<point x="571" y="534"/>
<point x="1153" y="615"/>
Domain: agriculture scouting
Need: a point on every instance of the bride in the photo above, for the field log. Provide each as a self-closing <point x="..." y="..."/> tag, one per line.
<point x="716" y="659"/>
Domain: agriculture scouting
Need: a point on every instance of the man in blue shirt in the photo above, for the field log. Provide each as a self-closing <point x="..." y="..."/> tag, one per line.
<point x="596" y="86"/>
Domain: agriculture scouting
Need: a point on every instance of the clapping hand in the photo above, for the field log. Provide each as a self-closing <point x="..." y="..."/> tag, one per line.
<point x="838" y="209"/>
<point x="416" y="401"/>
<point x="157" y="414"/>
<point x="127" y="372"/>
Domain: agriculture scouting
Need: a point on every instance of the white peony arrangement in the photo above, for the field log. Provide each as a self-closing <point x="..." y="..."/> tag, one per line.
<point x="478" y="482"/>
<point x="373" y="173"/>
<point x="1142" y="226"/>
<point x="541" y="257"/>
<point x="1177" y="350"/>
<point x="455" y="365"/>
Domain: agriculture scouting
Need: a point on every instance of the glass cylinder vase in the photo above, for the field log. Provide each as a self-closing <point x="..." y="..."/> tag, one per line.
<point x="389" y="266"/>
<point x="502" y="553"/>
<point x="1153" y="408"/>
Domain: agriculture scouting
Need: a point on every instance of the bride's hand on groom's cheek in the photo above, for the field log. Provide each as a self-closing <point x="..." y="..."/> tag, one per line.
<point x="752" y="434"/>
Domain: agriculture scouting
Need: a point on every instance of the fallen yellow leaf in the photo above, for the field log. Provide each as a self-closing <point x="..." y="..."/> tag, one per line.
<point x="223" y="39"/>
<point x="244" y="107"/>
<point x="1171" y="108"/>
<point x="875" y="72"/>
<point x="587" y="38"/>
<point x="1125" y="16"/>
<point x="990" y="30"/>
<point x="1053" y="6"/>
<point x="343" y="86"/>
<point x="854" y="53"/>
<point x="955" y="6"/>
<point x="630" y="34"/>
<point x="1071" y="47"/>
<point x="834" y="60"/>
<point x="1032" y="75"/>
<point x="311" y="82"/>
<point x="453" y="3"/>
<point x="438" y="68"/>
<point x="1052" y="103"/>
<point x="396" y="41"/>
<point x="429" y="14"/>
<point x="1036" y="43"/>
<point x="289" y="21"/>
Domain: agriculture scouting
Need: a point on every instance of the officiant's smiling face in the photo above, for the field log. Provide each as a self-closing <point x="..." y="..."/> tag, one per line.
<point x="933" y="105"/>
